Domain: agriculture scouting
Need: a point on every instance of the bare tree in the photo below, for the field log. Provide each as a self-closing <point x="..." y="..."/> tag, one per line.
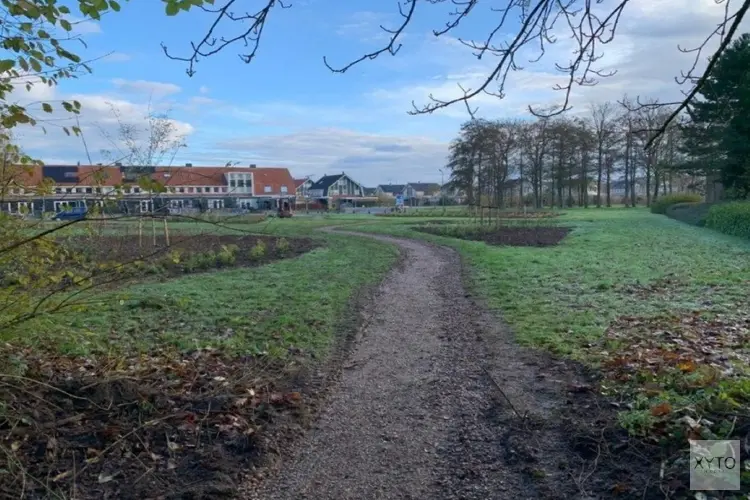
<point x="602" y="121"/>
<point x="536" y="24"/>
<point x="154" y="142"/>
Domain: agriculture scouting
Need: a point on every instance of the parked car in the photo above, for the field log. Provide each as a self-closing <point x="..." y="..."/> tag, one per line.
<point x="75" y="213"/>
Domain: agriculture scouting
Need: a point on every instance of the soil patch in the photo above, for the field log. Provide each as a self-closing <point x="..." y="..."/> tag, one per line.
<point x="532" y="236"/>
<point x="113" y="261"/>
<point x="128" y="248"/>
<point x="166" y="425"/>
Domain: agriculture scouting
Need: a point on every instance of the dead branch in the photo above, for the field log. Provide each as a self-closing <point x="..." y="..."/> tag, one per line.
<point x="507" y="399"/>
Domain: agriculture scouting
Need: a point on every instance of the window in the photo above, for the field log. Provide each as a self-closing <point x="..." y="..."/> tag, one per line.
<point x="198" y="190"/>
<point x="266" y="189"/>
<point x="232" y="183"/>
<point x="136" y="190"/>
<point x="190" y="190"/>
<point x="223" y="190"/>
<point x="98" y="190"/>
<point x="241" y="183"/>
<point x="216" y="190"/>
<point x="283" y="189"/>
<point x="181" y="190"/>
<point x="58" y="190"/>
<point x="89" y="190"/>
<point x="68" y="190"/>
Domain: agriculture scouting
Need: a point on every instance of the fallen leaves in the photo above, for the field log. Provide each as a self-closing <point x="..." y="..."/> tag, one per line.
<point x="104" y="422"/>
<point x="661" y="410"/>
<point x="688" y="344"/>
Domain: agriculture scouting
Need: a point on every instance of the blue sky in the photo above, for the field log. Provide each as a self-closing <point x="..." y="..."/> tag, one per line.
<point x="287" y="109"/>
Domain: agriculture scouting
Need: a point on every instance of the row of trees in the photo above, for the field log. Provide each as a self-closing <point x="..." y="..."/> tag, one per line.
<point x="576" y="160"/>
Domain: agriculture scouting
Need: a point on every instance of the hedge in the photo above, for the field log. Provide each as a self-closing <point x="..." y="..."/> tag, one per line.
<point x="730" y="218"/>
<point x="660" y="205"/>
<point x="690" y="213"/>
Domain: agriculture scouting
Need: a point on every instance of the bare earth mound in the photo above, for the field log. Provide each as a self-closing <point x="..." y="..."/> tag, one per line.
<point x="536" y="236"/>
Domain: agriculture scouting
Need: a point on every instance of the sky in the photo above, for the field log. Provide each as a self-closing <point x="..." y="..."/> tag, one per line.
<point x="286" y="109"/>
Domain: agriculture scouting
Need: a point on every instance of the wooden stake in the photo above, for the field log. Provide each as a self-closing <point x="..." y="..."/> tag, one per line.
<point x="166" y="231"/>
<point x="140" y="232"/>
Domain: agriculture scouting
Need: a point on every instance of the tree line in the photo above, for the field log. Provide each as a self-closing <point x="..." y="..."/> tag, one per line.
<point x="609" y="154"/>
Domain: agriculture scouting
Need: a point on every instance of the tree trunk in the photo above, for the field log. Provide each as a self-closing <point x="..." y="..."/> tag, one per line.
<point x="599" y="167"/>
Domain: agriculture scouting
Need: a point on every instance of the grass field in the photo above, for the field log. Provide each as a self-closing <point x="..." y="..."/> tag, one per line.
<point x="290" y="303"/>
<point x="659" y="306"/>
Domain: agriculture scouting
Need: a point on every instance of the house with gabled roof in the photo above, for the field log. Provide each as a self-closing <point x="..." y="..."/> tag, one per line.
<point x="338" y="187"/>
<point x="391" y="190"/>
<point x="422" y="192"/>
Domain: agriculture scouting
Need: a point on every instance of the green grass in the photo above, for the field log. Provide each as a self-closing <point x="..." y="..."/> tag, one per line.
<point x="295" y="302"/>
<point x="563" y="297"/>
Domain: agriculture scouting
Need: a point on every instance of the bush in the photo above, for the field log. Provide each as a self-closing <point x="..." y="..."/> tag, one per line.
<point x="730" y="218"/>
<point x="282" y="246"/>
<point x="660" y="205"/>
<point x="258" y="251"/>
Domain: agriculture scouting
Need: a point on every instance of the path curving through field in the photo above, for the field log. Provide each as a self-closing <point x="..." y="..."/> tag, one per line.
<point x="435" y="402"/>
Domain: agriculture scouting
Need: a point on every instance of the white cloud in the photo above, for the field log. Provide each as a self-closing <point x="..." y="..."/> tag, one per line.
<point x="97" y="122"/>
<point x="155" y="89"/>
<point x="370" y="158"/>
<point x="204" y="89"/>
<point x="644" y="53"/>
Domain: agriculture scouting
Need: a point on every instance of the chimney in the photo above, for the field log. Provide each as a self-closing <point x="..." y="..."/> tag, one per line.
<point x="188" y="164"/>
<point x="253" y="165"/>
<point x="118" y="164"/>
<point x="99" y="165"/>
<point x="79" y="163"/>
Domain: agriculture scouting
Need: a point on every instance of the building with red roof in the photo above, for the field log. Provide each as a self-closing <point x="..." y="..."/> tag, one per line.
<point x="145" y="188"/>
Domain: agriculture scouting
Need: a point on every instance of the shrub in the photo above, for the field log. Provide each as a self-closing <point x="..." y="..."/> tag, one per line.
<point x="258" y="251"/>
<point x="660" y="205"/>
<point x="282" y="246"/>
<point x="225" y="258"/>
<point x="730" y="218"/>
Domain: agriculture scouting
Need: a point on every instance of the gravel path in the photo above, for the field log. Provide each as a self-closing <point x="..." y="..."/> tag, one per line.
<point x="419" y="414"/>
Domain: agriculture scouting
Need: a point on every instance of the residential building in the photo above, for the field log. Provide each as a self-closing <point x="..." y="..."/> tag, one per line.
<point x="340" y="188"/>
<point x="422" y="193"/>
<point x="391" y="190"/>
<point x="148" y="188"/>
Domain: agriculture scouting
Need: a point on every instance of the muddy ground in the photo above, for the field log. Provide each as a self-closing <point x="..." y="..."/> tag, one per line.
<point x="532" y="236"/>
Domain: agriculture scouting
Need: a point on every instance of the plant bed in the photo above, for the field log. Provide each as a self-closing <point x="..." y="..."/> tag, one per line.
<point x="529" y="236"/>
<point x="186" y="253"/>
<point x="166" y="425"/>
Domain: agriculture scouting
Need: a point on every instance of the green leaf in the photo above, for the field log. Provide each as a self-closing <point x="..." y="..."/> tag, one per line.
<point x="6" y="65"/>
<point x="172" y="8"/>
<point x="46" y="107"/>
<point x="35" y="65"/>
<point x="114" y="6"/>
<point x="66" y="24"/>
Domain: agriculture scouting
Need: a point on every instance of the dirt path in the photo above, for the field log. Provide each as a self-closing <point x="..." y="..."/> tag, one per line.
<point x="416" y="416"/>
